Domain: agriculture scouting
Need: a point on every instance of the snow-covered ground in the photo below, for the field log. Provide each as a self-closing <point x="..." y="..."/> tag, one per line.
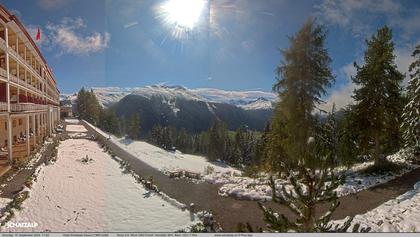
<point x="356" y="181"/>
<point x="75" y="128"/>
<point x="165" y="161"/>
<point x="169" y="161"/>
<point x="71" y="120"/>
<point x="401" y="214"/>
<point x="85" y="190"/>
<point x="233" y="184"/>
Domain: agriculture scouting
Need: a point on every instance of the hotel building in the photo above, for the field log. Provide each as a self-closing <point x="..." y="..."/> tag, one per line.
<point x="29" y="98"/>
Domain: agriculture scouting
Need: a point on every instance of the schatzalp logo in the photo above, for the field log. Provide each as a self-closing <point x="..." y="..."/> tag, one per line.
<point x="21" y="224"/>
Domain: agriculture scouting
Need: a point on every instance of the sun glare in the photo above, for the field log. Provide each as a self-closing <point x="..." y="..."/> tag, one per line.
<point x="183" y="13"/>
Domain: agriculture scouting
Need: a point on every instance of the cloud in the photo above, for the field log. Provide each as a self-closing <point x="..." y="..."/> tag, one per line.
<point x="53" y="4"/>
<point x="353" y="14"/>
<point x="403" y="59"/>
<point x="67" y="37"/>
<point x="131" y="24"/>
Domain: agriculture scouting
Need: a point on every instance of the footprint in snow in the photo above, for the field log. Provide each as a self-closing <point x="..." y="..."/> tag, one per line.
<point x="68" y="220"/>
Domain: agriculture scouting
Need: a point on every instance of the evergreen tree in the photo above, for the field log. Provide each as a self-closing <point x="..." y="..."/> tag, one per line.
<point x="260" y="149"/>
<point x="378" y="97"/>
<point x="81" y="103"/>
<point x="88" y="106"/>
<point x="156" y="135"/>
<point x="217" y="141"/>
<point x="93" y="108"/>
<point x="109" y="121"/>
<point x="411" y="114"/>
<point x="327" y="138"/>
<point x="182" y="142"/>
<point x="348" y="148"/>
<point x="134" y="127"/>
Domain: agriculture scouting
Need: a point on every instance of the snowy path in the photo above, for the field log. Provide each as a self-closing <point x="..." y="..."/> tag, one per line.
<point x="72" y="195"/>
<point x="75" y="128"/>
<point x="401" y="214"/>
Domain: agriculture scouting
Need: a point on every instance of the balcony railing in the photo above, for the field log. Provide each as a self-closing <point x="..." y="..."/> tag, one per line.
<point x="22" y="61"/>
<point x="14" y="78"/>
<point x="2" y="44"/>
<point x="21" y="82"/>
<point x="27" y="107"/>
<point x="13" y="52"/>
<point x="3" y="106"/>
<point x="3" y="73"/>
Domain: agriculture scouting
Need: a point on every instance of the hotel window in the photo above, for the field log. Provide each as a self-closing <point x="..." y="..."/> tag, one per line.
<point x="20" y="122"/>
<point x="14" y="123"/>
<point x="5" y="125"/>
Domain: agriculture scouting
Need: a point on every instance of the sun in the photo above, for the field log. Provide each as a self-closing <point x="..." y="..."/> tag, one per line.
<point x="184" y="14"/>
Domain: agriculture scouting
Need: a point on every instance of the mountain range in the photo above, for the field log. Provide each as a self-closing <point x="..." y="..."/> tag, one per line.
<point x="193" y="109"/>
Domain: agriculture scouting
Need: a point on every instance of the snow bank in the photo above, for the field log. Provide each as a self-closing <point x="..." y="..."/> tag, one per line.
<point x="75" y="128"/>
<point x="401" y="214"/>
<point x="77" y="194"/>
<point x="69" y="120"/>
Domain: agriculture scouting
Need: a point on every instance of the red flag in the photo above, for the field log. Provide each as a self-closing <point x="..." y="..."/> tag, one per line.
<point x="38" y="35"/>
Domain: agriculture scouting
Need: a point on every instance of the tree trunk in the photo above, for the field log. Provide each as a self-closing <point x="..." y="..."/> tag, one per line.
<point x="377" y="151"/>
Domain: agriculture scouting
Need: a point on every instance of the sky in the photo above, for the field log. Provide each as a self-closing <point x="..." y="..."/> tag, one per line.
<point x="232" y="45"/>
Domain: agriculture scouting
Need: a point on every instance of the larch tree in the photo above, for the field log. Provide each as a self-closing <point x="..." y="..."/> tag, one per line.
<point x="294" y="149"/>
<point x="378" y="99"/>
<point x="302" y="78"/>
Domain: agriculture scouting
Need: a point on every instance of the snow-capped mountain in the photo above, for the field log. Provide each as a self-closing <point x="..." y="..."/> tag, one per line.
<point x="259" y="103"/>
<point x="110" y="95"/>
<point x="238" y="98"/>
<point x="249" y="100"/>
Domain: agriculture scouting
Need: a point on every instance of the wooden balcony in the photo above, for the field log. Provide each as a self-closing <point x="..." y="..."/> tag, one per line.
<point x="21" y="107"/>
